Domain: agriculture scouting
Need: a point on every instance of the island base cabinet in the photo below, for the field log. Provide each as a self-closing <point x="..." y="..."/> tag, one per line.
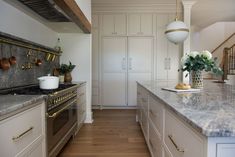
<point x="145" y="125"/>
<point x="155" y="145"/>
<point x="181" y="141"/>
<point x="225" y="150"/>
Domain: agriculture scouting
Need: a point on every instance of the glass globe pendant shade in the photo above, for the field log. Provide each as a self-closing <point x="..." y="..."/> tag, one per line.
<point x="177" y="32"/>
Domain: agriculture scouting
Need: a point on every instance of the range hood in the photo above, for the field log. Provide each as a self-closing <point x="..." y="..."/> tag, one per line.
<point x="47" y="9"/>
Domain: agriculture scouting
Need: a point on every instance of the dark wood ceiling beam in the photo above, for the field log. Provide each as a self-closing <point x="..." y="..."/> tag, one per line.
<point x="71" y="8"/>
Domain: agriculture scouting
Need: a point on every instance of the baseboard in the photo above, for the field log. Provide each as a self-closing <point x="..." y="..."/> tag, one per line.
<point x="112" y="107"/>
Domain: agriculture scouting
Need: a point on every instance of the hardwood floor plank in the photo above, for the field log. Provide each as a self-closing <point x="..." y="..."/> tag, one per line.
<point x="114" y="133"/>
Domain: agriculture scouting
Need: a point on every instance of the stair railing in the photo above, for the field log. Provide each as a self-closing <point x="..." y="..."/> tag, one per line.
<point x="228" y="62"/>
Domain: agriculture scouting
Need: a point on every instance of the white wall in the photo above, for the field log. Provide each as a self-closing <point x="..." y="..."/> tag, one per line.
<point x="212" y="36"/>
<point x="85" y="6"/>
<point x="77" y="49"/>
<point x="17" y="23"/>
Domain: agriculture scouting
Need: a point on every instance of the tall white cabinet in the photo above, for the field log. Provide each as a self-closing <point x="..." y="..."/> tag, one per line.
<point x="124" y="61"/>
<point x="130" y="47"/>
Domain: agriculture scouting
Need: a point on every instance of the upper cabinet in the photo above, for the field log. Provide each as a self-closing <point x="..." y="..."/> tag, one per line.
<point x="114" y="24"/>
<point x="140" y="24"/>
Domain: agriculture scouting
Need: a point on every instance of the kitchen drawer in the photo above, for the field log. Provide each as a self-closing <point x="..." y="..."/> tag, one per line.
<point x="181" y="140"/>
<point x="27" y="126"/>
<point x="144" y="100"/>
<point x="156" y="111"/>
<point x="155" y="145"/>
<point x="145" y="124"/>
<point x="225" y="150"/>
<point x="81" y="97"/>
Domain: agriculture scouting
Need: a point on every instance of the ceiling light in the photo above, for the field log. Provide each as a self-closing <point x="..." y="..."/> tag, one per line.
<point x="177" y="31"/>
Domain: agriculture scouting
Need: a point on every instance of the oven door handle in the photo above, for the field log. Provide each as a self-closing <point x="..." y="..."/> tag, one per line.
<point x="61" y="110"/>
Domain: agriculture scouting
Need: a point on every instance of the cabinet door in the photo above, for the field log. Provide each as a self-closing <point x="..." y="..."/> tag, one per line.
<point x="114" y="51"/>
<point x="134" y="24"/>
<point x="120" y="24"/>
<point x="140" y="51"/>
<point x="95" y="66"/>
<point x="161" y="66"/>
<point x="139" y="64"/>
<point x="108" y="23"/>
<point x="225" y="150"/>
<point x="146" y="24"/>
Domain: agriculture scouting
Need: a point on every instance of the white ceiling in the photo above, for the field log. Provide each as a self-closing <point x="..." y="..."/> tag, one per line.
<point x="204" y="12"/>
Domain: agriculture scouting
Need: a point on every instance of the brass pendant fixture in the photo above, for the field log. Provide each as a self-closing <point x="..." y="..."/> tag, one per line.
<point x="177" y="31"/>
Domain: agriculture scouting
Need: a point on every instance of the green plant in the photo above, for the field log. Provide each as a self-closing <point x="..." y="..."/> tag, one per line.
<point x="65" y="68"/>
<point x="199" y="61"/>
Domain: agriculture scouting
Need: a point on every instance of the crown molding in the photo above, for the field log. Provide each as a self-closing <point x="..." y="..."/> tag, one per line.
<point x="132" y="7"/>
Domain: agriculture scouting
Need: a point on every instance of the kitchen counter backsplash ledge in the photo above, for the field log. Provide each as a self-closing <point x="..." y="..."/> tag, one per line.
<point x="12" y="104"/>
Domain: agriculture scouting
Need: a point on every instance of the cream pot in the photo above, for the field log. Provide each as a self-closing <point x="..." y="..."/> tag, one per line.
<point x="48" y="82"/>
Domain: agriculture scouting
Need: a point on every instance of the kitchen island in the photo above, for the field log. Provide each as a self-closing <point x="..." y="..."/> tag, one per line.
<point x="198" y="124"/>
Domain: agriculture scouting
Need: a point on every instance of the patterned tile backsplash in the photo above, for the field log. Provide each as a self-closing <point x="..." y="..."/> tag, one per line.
<point x="15" y="76"/>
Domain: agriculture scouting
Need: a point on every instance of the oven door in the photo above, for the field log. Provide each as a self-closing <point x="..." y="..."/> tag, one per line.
<point x="60" y="121"/>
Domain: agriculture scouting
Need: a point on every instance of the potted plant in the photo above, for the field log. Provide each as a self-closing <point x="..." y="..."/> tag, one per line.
<point x="66" y="69"/>
<point x="195" y="62"/>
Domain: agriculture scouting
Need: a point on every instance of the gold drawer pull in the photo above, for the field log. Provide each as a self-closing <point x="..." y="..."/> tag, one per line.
<point x="174" y="143"/>
<point x="15" y="138"/>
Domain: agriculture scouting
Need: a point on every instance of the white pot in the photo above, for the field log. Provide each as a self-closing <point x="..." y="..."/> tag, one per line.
<point x="48" y="82"/>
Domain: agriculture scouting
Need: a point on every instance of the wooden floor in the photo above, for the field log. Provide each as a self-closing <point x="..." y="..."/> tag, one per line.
<point x="114" y="133"/>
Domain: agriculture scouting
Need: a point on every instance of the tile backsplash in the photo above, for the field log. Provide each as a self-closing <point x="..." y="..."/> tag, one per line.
<point x="15" y="76"/>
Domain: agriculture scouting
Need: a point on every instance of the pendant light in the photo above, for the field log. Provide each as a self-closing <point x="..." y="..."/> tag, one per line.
<point x="177" y="31"/>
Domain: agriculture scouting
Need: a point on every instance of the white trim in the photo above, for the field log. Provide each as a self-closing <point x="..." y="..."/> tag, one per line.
<point x="89" y="118"/>
<point x="113" y="107"/>
<point x="133" y="7"/>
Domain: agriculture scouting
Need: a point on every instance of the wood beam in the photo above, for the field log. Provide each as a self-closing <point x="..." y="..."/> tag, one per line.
<point x="71" y="8"/>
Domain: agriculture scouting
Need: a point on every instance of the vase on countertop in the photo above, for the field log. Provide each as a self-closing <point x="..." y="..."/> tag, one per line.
<point x="196" y="79"/>
<point x="68" y="77"/>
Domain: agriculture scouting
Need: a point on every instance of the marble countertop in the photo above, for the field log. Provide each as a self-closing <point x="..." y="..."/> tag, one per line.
<point x="12" y="104"/>
<point x="210" y="111"/>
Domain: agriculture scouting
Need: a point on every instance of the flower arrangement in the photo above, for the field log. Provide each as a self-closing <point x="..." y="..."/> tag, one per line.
<point x="199" y="61"/>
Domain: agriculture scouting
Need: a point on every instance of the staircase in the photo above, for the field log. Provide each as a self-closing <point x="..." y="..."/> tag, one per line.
<point x="226" y="59"/>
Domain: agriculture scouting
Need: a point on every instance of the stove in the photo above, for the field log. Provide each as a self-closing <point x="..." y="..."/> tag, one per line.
<point x="55" y="96"/>
<point x="61" y="115"/>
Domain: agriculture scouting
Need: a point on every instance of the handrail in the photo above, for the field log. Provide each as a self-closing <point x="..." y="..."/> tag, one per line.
<point x="223" y="42"/>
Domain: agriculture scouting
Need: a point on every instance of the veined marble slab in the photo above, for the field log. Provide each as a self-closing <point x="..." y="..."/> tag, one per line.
<point x="210" y="111"/>
<point x="13" y="104"/>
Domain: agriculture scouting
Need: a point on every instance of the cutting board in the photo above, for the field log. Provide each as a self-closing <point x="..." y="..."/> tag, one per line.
<point x="179" y="90"/>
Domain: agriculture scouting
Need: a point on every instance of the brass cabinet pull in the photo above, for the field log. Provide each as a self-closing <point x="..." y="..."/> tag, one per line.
<point x="15" y="138"/>
<point x="174" y="143"/>
<point x="61" y="110"/>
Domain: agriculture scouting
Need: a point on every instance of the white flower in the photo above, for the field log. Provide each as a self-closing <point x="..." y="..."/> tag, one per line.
<point x="206" y="54"/>
<point x="184" y="59"/>
<point x="193" y="54"/>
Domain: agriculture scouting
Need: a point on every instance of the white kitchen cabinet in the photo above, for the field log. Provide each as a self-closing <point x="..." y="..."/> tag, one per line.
<point x="95" y="64"/>
<point x="225" y="150"/>
<point x="114" y="24"/>
<point x="114" y="72"/>
<point x="180" y="140"/>
<point x="155" y="143"/>
<point x="168" y="54"/>
<point x="81" y="105"/>
<point x="140" y="24"/>
<point x="140" y="52"/>
<point x="24" y="133"/>
<point x="156" y="114"/>
<point x="124" y="61"/>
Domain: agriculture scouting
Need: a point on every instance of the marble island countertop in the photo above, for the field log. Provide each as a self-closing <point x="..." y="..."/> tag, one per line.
<point x="13" y="104"/>
<point x="210" y="111"/>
